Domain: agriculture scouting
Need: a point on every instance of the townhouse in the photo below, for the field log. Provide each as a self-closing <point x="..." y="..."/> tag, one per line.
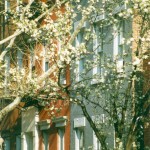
<point x="105" y="50"/>
<point x="32" y="125"/>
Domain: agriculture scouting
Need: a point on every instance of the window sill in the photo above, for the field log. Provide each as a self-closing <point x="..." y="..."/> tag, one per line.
<point x="97" y="81"/>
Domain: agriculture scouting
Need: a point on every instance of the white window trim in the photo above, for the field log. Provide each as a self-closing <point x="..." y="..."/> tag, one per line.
<point x="44" y="127"/>
<point x="62" y="80"/>
<point x="45" y="58"/>
<point x="97" y="18"/>
<point x="29" y="140"/>
<point x="7" y="7"/>
<point x="31" y="128"/>
<point x="17" y="8"/>
<point x="61" y="141"/>
<point x="19" y="60"/>
<point x="96" y="142"/>
<point x="60" y="123"/>
<point x="44" y="124"/>
<point x="120" y="8"/>
<point x="97" y="48"/>
<point x="46" y="65"/>
<point x="99" y="118"/>
<point x="117" y="41"/>
<point x="31" y="59"/>
<point x="77" y="138"/>
<point x="7" y="62"/>
<point x="46" y="139"/>
<point x="18" y="142"/>
<point x="25" y="140"/>
<point x="63" y="77"/>
<point x="7" y="143"/>
<point x="77" y="43"/>
<point x="79" y="124"/>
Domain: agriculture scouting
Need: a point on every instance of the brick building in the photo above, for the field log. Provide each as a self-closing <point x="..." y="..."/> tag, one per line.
<point x="32" y="125"/>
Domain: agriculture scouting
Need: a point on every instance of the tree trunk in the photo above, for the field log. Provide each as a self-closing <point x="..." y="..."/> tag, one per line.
<point x="129" y="142"/>
<point x="100" y="137"/>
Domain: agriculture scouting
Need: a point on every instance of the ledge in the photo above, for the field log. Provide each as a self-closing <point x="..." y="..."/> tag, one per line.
<point x="79" y="122"/>
<point x="60" y="121"/>
<point x="44" y="124"/>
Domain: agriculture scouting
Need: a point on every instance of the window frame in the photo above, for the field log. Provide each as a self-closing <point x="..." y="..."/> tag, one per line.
<point x="96" y="142"/>
<point x="18" y="142"/>
<point x="7" y="7"/>
<point x="79" y="139"/>
<point x="61" y="139"/>
<point x="118" y="45"/>
<point x="98" y="47"/>
<point x="78" y="41"/>
<point x="45" y="134"/>
<point x="19" y="59"/>
<point x="7" y="61"/>
<point x="7" y="143"/>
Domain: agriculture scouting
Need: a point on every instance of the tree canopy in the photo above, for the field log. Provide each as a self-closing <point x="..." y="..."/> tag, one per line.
<point x="79" y="36"/>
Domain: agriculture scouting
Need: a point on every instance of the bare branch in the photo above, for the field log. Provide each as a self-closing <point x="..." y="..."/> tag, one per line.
<point x="47" y="74"/>
<point x="17" y="32"/>
<point x="7" y="48"/>
<point x="10" y="107"/>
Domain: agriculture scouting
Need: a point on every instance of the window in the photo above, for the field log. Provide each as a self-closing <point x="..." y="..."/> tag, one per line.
<point x="81" y="61"/>
<point x="79" y="124"/>
<point x="19" y="59"/>
<point x="46" y="66"/>
<point x="29" y="141"/>
<point x="45" y="59"/>
<point x="79" y="139"/>
<point x="98" y="40"/>
<point x="119" y="46"/>
<point x="7" y="62"/>
<point x="7" y="7"/>
<point x="96" y="142"/>
<point x="81" y="65"/>
<point x="98" y="57"/>
<point x="44" y="127"/>
<point x="61" y="132"/>
<point x="7" y="144"/>
<point x="29" y="127"/>
<point x="18" y="142"/>
<point x="63" y="76"/>
<point x="18" y="5"/>
<point x="45" y="138"/>
<point x="78" y="41"/>
<point x="60" y="123"/>
<point x="98" y="120"/>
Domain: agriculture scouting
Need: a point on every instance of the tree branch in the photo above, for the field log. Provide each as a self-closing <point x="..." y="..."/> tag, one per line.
<point x="47" y="74"/>
<point x="7" y="49"/>
<point x="97" y="133"/>
<point x="17" y="32"/>
<point x="10" y="107"/>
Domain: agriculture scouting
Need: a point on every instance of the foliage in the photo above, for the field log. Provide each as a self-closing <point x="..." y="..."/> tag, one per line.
<point x="81" y="35"/>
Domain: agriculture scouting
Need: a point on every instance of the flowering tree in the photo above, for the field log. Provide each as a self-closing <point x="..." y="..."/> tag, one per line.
<point x="80" y="35"/>
<point x="110" y="75"/>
